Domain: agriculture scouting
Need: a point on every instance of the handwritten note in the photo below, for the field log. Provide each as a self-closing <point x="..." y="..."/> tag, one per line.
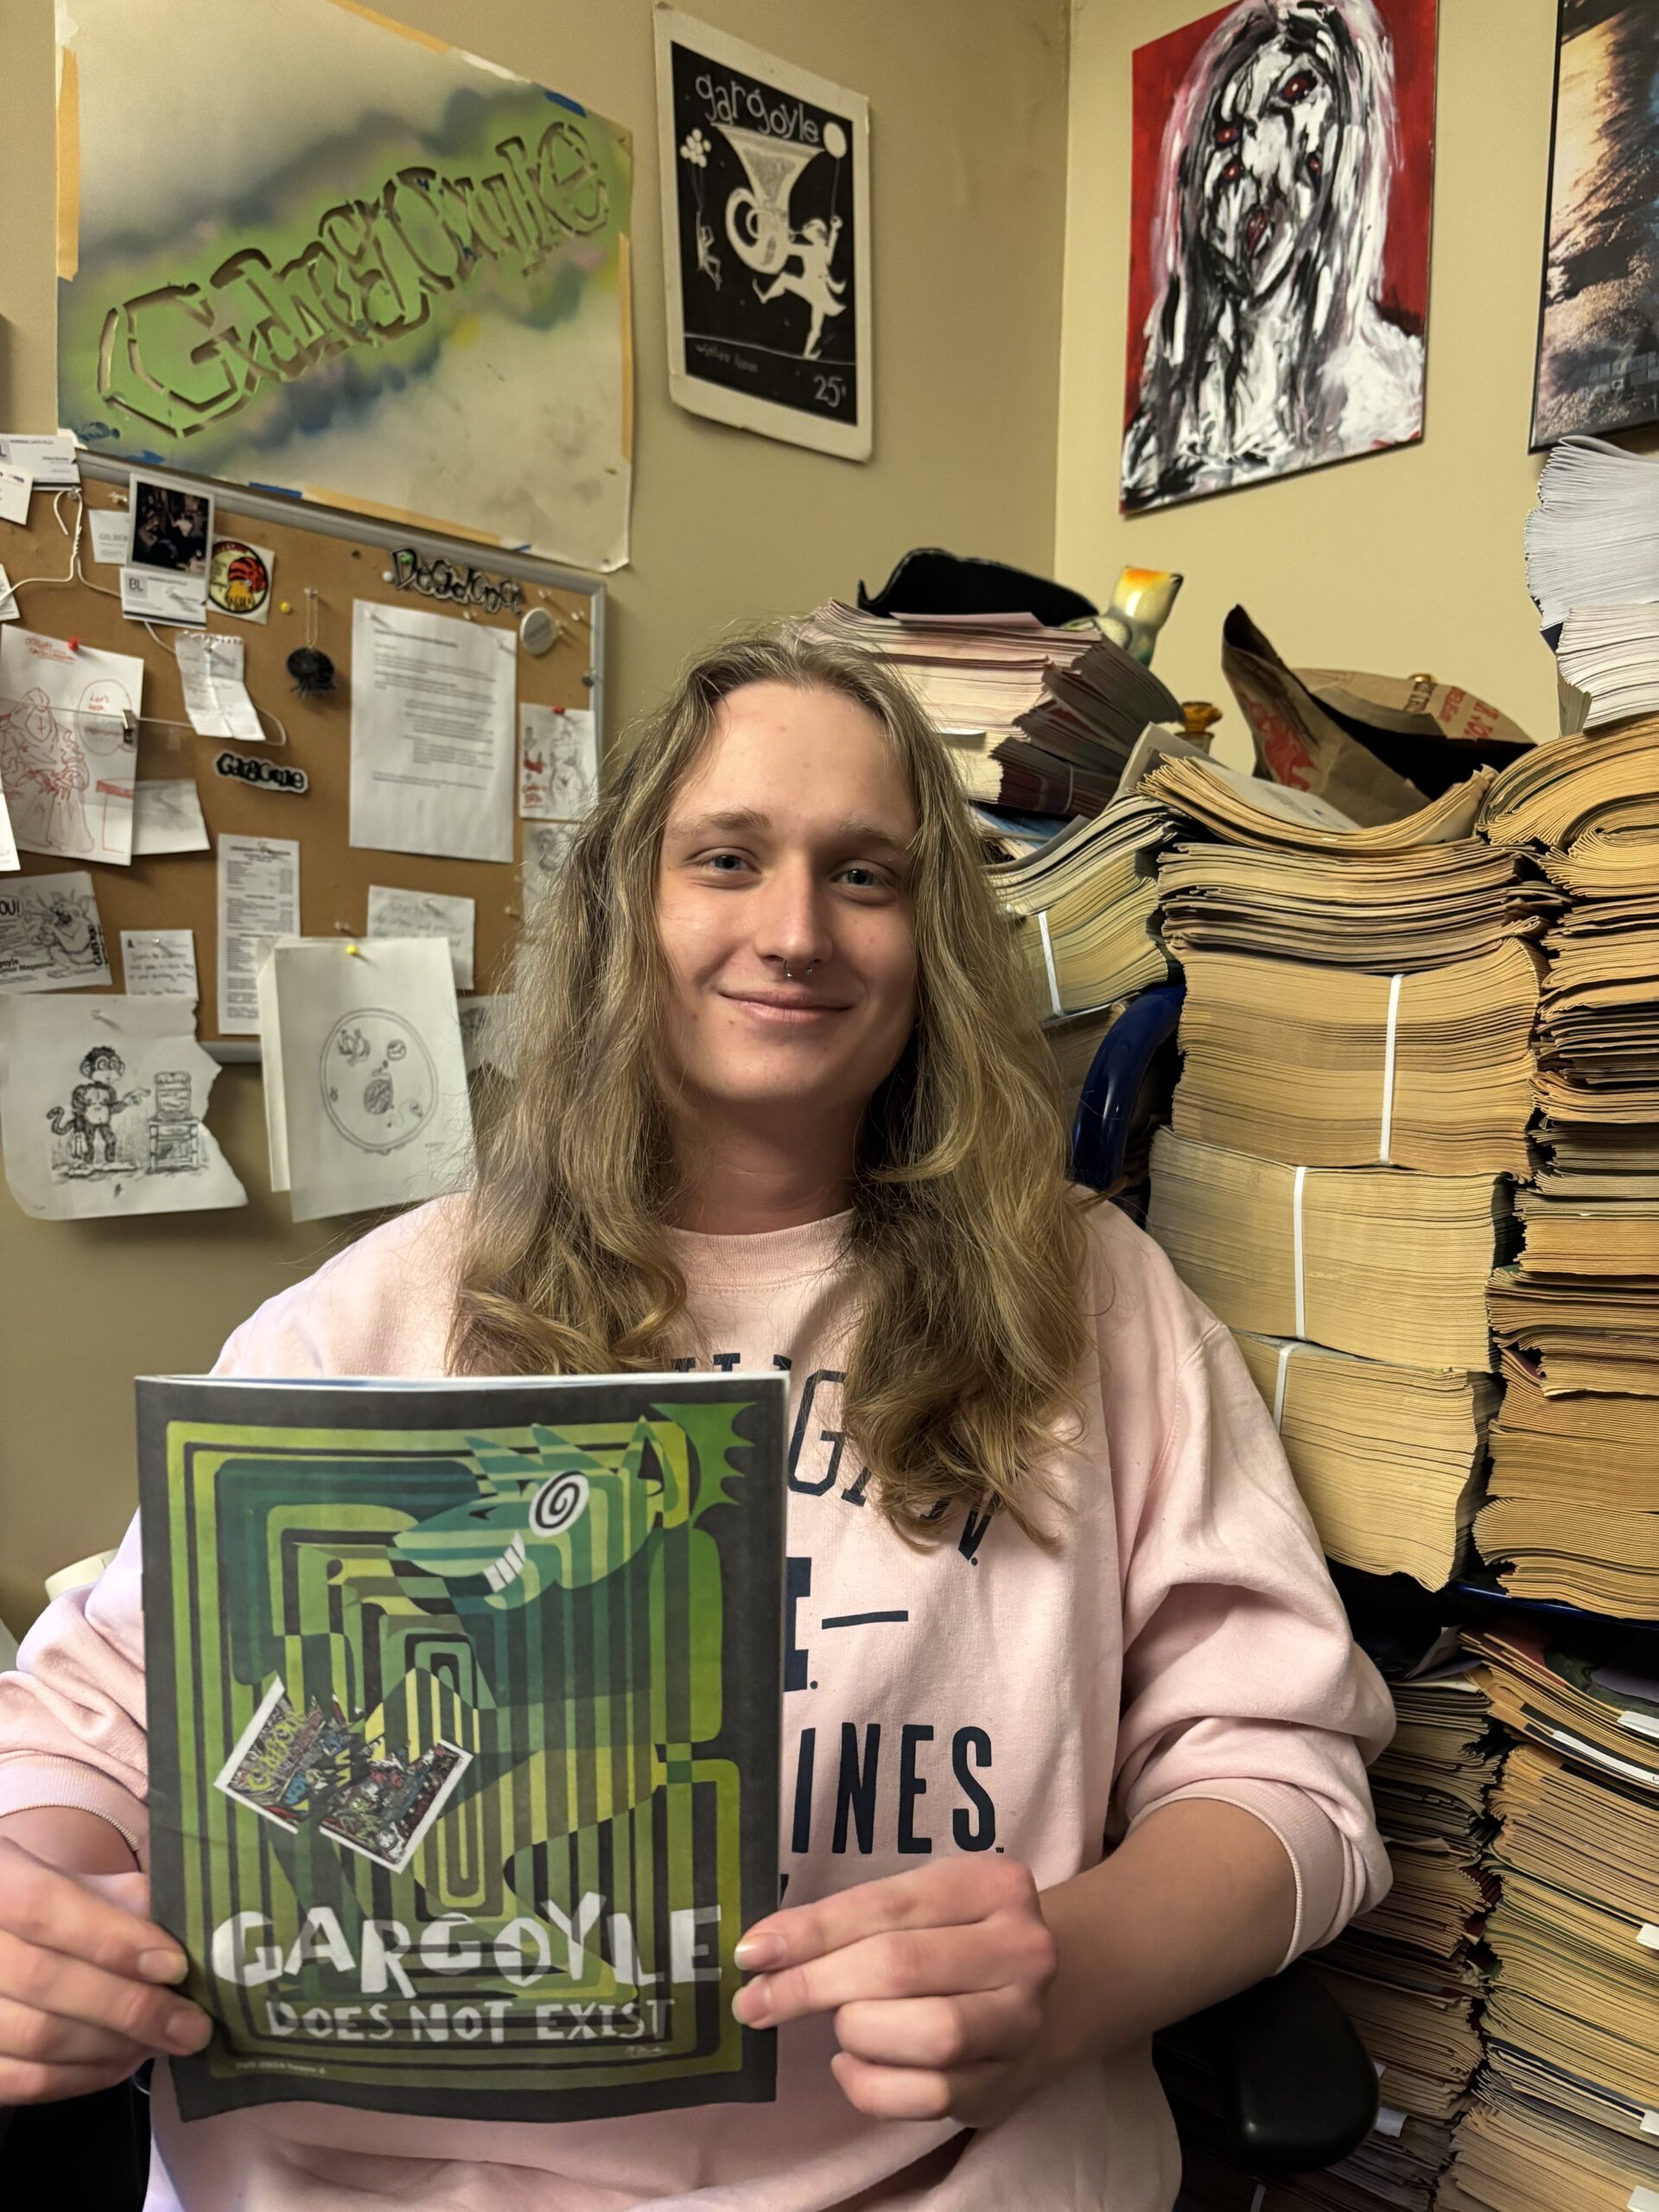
<point x="425" y="913"/>
<point x="159" y="962"/>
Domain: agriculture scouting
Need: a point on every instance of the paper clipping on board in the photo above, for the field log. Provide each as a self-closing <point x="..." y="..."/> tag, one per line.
<point x="432" y="733"/>
<point x="166" y="818"/>
<point x="547" y="848"/>
<point x="238" y="578"/>
<point x="373" y="1080"/>
<point x="215" y="697"/>
<point x="15" y="485"/>
<point x="424" y="913"/>
<point x="558" y="763"/>
<point x="110" y="530"/>
<point x="258" y="896"/>
<point x="67" y="746"/>
<point x="102" y="1104"/>
<point x="8" y="598"/>
<point x="50" y="937"/>
<point x="159" y="963"/>
<point x="8" y="844"/>
<point x="48" y="455"/>
<point x="487" y="1030"/>
<point x="152" y="595"/>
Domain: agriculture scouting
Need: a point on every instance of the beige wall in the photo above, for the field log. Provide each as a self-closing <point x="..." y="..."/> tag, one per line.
<point x="968" y="139"/>
<point x="1399" y="562"/>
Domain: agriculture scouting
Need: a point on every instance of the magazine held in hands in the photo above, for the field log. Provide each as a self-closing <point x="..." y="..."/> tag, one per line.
<point x="464" y="1715"/>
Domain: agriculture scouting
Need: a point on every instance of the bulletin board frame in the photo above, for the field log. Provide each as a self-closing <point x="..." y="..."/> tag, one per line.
<point x="343" y="557"/>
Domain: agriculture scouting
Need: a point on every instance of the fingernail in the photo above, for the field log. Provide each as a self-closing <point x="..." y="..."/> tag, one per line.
<point x="753" y="2006"/>
<point x="755" y="1952"/>
<point x="188" y="2032"/>
<point x="162" y="1966"/>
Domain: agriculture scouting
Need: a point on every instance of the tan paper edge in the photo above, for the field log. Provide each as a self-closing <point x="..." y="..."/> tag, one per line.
<point x="624" y="279"/>
<point x="387" y="23"/>
<point x="68" y="162"/>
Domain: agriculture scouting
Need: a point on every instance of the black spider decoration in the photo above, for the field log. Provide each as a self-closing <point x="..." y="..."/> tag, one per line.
<point x="312" y="670"/>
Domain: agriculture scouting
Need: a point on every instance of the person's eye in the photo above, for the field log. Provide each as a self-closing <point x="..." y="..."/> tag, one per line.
<point x="722" y="863"/>
<point x="859" y="875"/>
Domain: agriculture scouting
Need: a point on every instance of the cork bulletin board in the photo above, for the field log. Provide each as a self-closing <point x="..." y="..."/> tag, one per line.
<point x="342" y="558"/>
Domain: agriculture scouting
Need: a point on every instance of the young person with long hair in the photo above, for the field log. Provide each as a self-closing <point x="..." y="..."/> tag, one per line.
<point x="1074" y="1725"/>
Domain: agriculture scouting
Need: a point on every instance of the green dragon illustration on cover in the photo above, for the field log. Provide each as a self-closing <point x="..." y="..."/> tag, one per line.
<point x="464" y="1719"/>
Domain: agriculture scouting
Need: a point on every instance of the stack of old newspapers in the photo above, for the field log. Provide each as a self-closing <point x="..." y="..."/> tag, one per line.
<point x="1355" y="1087"/>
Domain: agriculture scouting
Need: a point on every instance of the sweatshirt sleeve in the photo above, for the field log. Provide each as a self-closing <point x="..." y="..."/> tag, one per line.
<point x="72" y="1715"/>
<point x="1241" y="1681"/>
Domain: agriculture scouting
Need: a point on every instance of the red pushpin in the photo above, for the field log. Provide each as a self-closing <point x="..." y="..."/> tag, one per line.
<point x="74" y="645"/>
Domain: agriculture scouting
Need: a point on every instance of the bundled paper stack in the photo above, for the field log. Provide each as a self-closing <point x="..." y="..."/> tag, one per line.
<point x="1562" y="2114"/>
<point x="1084" y="908"/>
<point x="1571" y="1495"/>
<point x="1330" y="1068"/>
<point x="1409" y="1974"/>
<point x="1374" y="1261"/>
<point x="1039" y="720"/>
<point x="1387" y="1458"/>
<point x="1285" y="879"/>
<point x="1593" y="540"/>
<point x="1578" y="1309"/>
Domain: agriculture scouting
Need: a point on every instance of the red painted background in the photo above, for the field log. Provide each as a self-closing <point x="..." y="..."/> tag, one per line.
<point x="1158" y="70"/>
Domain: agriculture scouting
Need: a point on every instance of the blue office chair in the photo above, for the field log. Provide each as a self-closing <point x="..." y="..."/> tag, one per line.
<point x="1274" y="2080"/>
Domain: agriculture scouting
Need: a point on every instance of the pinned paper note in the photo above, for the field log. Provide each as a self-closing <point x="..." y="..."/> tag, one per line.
<point x="101" y="1108"/>
<point x="111" y="531"/>
<point x="425" y="913"/>
<point x="68" y="746"/>
<point x="8" y="599"/>
<point x="166" y="818"/>
<point x="486" y="1032"/>
<point x="432" y="733"/>
<point x="215" y="697"/>
<point x="15" y="485"/>
<point x="558" y="763"/>
<point x="372" y="1082"/>
<point x="159" y="962"/>
<point x="153" y="595"/>
<point x="49" y="456"/>
<point x="259" y="897"/>
<point x="50" y="937"/>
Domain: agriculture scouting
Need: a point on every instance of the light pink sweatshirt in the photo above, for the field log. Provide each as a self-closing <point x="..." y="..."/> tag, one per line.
<point x="1182" y="1640"/>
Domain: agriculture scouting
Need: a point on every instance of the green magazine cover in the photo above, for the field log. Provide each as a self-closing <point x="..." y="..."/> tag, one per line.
<point x="464" y="1715"/>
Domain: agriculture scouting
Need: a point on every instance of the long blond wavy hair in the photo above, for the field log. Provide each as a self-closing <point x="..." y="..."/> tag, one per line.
<point x="967" y="1240"/>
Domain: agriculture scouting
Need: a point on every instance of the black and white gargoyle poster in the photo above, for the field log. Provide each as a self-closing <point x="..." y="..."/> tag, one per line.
<point x="767" y="240"/>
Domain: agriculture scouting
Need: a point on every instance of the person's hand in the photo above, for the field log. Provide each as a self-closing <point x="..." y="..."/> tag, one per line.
<point x="83" y="1981"/>
<point x="937" y="1980"/>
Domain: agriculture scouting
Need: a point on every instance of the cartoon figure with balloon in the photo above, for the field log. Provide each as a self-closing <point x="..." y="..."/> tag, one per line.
<point x="787" y="262"/>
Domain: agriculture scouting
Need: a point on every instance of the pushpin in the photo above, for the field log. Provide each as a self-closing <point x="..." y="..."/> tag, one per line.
<point x="74" y="645"/>
<point x="355" y="951"/>
<point x="285" y="607"/>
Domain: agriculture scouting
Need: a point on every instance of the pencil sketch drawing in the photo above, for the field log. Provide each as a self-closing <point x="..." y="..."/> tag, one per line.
<point x="379" y="1083"/>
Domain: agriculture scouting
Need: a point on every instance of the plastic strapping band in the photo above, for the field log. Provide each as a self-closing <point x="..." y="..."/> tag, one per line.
<point x="1388" y="1045"/>
<point x="1048" y="963"/>
<point x="1285" y="1350"/>
<point x="1296" y="1248"/>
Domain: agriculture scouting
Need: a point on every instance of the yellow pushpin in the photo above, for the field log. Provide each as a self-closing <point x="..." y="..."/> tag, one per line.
<point x="354" y="951"/>
<point x="285" y="607"/>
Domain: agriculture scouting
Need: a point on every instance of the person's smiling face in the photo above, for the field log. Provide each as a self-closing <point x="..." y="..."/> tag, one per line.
<point x="787" y="847"/>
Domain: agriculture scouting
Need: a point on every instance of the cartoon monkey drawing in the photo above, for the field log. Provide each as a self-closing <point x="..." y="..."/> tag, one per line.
<point x="94" y="1103"/>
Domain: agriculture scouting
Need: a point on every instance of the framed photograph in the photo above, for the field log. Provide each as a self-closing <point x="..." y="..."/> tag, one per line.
<point x="1283" y="180"/>
<point x="766" y="240"/>
<point x="1598" y="315"/>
